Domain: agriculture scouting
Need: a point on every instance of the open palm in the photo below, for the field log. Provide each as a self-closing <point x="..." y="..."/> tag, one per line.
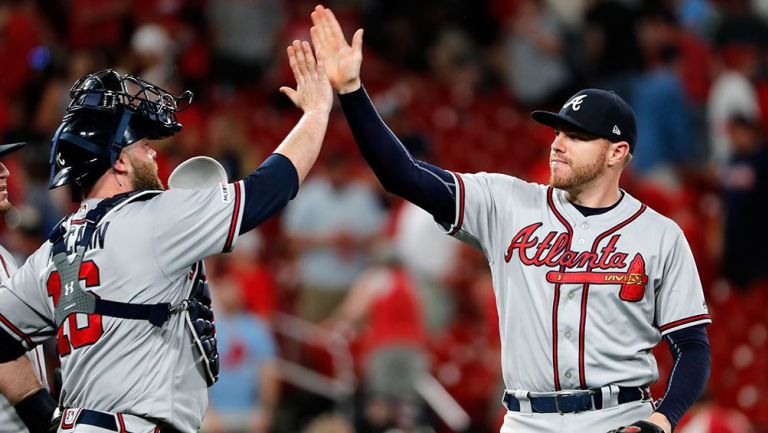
<point x="342" y="61"/>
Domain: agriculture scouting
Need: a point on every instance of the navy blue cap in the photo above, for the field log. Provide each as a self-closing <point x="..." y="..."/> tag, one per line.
<point x="8" y="148"/>
<point x="599" y="112"/>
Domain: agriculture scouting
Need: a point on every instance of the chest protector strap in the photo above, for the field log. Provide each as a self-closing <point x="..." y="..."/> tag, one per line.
<point x="196" y="309"/>
<point x="73" y="298"/>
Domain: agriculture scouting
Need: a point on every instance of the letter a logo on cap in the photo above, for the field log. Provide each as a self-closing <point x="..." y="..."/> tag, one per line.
<point x="575" y="103"/>
<point x="616" y="130"/>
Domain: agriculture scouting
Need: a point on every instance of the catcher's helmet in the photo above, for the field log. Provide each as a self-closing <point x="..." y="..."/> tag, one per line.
<point x="109" y="111"/>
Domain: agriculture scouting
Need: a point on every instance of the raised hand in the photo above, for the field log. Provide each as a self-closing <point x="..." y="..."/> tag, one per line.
<point x="313" y="91"/>
<point x="342" y="61"/>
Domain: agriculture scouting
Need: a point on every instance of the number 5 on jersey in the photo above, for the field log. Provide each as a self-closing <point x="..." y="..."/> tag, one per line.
<point x="78" y="336"/>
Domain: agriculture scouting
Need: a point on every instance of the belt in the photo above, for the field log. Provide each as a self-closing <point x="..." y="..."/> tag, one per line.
<point x="106" y="421"/>
<point x="578" y="401"/>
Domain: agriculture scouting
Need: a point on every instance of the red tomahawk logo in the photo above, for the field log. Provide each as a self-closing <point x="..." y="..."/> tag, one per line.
<point x="632" y="282"/>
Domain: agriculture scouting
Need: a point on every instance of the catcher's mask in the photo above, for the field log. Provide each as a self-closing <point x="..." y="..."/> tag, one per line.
<point x="108" y="112"/>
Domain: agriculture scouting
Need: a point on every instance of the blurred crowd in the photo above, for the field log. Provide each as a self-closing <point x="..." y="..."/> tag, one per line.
<point x="351" y="312"/>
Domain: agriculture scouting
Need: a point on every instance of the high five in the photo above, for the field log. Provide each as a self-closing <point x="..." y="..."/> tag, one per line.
<point x="587" y="279"/>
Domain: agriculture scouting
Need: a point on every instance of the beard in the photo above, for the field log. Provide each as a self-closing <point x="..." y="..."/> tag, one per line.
<point x="578" y="176"/>
<point x="145" y="176"/>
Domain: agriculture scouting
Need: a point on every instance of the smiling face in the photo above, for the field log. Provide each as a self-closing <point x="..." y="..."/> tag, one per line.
<point x="576" y="158"/>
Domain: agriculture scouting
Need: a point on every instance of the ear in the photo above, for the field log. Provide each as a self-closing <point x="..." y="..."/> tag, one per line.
<point x="122" y="164"/>
<point x="617" y="153"/>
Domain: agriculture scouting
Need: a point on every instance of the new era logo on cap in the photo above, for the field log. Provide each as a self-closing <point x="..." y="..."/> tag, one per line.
<point x="599" y="112"/>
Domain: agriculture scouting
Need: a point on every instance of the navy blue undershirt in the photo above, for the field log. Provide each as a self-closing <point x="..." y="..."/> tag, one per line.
<point x="268" y="189"/>
<point x="589" y="211"/>
<point x="432" y="188"/>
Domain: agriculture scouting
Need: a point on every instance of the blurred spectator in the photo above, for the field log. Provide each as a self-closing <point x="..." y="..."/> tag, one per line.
<point x="154" y="49"/>
<point x="466" y="353"/>
<point x="745" y="188"/>
<point x="536" y="68"/>
<point x="613" y="52"/>
<point x="455" y="66"/>
<point x="233" y="21"/>
<point x="741" y="25"/>
<point x="98" y="24"/>
<point x="247" y="267"/>
<point x="330" y="225"/>
<point x="55" y="96"/>
<point x="570" y="12"/>
<point x="244" y="398"/>
<point x="24" y="236"/>
<point x="665" y="143"/>
<point x="49" y="205"/>
<point x="732" y="93"/>
<point x="20" y="35"/>
<point x="698" y="16"/>
<point x="429" y="256"/>
<point x="393" y="358"/>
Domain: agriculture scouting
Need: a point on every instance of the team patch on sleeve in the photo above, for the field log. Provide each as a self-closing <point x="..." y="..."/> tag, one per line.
<point x="226" y="196"/>
<point x="235" y="193"/>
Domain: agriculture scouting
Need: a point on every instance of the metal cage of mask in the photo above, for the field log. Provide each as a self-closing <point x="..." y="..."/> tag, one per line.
<point x="140" y="108"/>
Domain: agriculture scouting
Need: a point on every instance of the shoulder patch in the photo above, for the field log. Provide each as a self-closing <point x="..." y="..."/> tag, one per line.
<point x="226" y="196"/>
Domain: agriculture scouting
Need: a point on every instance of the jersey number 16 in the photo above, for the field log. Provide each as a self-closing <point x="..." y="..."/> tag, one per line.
<point x="78" y="337"/>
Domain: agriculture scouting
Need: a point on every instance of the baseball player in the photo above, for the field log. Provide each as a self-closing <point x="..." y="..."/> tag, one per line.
<point x="587" y="279"/>
<point x="120" y="281"/>
<point x="14" y="420"/>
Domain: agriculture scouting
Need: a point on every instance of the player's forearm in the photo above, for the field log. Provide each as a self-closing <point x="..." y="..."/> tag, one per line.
<point x="18" y="380"/>
<point x="425" y="185"/>
<point x="303" y="143"/>
<point x="690" y="349"/>
<point x="268" y="190"/>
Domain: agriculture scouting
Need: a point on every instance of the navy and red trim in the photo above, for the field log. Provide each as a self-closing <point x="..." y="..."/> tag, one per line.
<point x="121" y="423"/>
<point x="686" y="321"/>
<point x="233" y="222"/>
<point x="585" y="292"/>
<point x="5" y="266"/>
<point x="460" y="219"/>
<point x="556" y="301"/>
<point x="17" y="331"/>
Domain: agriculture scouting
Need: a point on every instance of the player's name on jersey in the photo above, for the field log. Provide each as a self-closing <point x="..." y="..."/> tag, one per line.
<point x="553" y="250"/>
<point x="76" y="232"/>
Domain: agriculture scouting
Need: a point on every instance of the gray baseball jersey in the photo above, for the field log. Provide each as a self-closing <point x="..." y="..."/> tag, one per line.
<point x="581" y="300"/>
<point x="9" y="421"/>
<point x="141" y="252"/>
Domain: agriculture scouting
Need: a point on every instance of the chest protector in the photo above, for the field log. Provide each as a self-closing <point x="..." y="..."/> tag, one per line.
<point x="195" y="308"/>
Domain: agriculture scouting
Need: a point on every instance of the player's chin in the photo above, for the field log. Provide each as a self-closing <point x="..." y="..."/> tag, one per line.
<point x="559" y="176"/>
<point x="5" y="204"/>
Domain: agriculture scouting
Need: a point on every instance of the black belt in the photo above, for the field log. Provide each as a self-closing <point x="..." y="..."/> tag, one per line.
<point x="580" y="401"/>
<point x="107" y="421"/>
